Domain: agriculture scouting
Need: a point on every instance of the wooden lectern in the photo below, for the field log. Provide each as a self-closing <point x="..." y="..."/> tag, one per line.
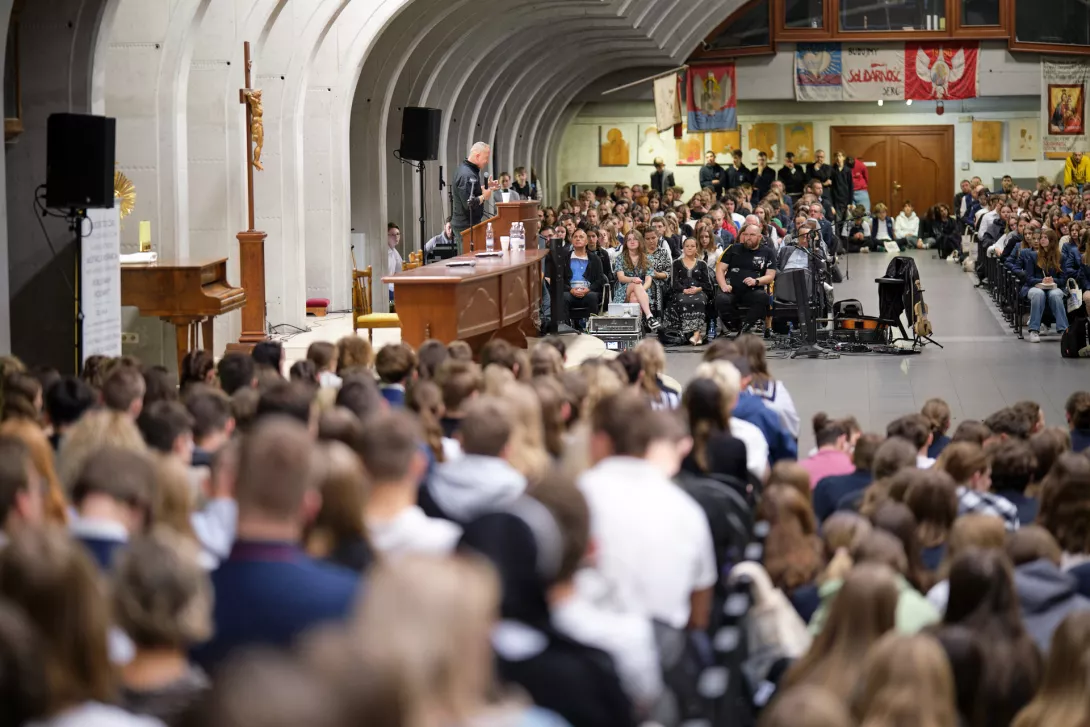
<point x="524" y="211"/>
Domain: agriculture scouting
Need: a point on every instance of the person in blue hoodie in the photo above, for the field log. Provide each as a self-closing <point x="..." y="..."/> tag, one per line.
<point x="394" y="364"/>
<point x="268" y="591"/>
<point x="482" y="480"/>
<point x="751" y="408"/>
<point x="1046" y="594"/>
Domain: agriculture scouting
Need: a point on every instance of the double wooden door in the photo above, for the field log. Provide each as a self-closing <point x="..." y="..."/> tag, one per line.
<point x="904" y="163"/>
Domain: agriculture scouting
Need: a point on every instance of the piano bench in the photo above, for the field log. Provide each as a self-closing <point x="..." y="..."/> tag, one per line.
<point x="371" y="321"/>
<point x="317" y="306"/>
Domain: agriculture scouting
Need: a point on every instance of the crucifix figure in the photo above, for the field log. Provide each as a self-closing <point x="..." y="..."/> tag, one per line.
<point x="252" y="242"/>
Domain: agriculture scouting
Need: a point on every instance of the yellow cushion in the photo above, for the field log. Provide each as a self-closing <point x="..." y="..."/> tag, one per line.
<point x="379" y="320"/>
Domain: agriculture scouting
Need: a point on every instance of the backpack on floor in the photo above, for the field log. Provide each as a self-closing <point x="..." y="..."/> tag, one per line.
<point x="1076" y="339"/>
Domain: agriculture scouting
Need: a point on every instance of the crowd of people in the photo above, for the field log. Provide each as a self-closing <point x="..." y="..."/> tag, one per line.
<point x="416" y="538"/>
<point x="705" y="264"/>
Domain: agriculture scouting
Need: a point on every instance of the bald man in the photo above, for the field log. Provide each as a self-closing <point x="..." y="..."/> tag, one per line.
<point x="470" y="198"/>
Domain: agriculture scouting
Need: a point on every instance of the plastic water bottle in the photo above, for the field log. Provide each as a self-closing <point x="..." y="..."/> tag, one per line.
<point x="519" y="243"/>
<point x="489" y="239"/>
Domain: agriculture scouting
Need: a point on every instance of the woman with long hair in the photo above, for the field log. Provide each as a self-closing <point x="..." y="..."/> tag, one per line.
<point x="338" y="533"/>
<point x="707" y="246"/>
<point x="1045" y="283"/>
<point x="771" y="391"/>
<point x="934" y="503"/>
<point x="906" y="680"/>
<point x="54" y="502"/>
<point x="707" y="408"/>
<point x="983" y="598"/>
<point x="1065" y="507"/>
<point x="793" y="551"/>
<point x="692" y="291"/>
<point x="658" y="254"/>
<point x="1061" y="700"/>
<point x="633" y="271"/>
<point x="863" y="611"/>
<point x="595" y="239"/>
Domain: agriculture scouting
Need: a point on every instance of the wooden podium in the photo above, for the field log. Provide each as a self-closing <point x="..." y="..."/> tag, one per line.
<point x="524" y="211"/>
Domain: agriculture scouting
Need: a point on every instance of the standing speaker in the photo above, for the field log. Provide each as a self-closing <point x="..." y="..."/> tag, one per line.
<point x="79" y="170"/>
<point x="420" y="134"/>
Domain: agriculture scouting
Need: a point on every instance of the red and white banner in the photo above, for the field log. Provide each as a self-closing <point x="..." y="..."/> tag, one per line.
<point x="936" y="72"/>
<point x="889" y="72"/>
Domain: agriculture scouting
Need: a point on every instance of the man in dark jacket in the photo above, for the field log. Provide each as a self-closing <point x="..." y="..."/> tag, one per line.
<point x="661" y="180"/>
<point x="792" y="176"/>
<point x="822" y="172"/>
<point x="469" y="198"/>
<point x="763" y="177"/>
<point x="712" y="175"/>
<point x="737" y="173"/>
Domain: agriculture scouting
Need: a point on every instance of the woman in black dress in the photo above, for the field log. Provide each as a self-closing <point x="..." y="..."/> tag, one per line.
<point x="692" y="289"/>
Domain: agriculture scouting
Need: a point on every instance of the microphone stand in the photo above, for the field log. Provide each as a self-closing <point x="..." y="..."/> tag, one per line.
<point x="810" y="349"/>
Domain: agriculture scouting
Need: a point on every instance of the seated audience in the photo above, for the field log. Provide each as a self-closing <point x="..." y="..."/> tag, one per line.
<point x="934" y="502"/>
<point x="113" y="500"/>
<point x="123" y="391"/>
<point x="906" y="228"/>
<point x="162" y="600"/>
<point x="1077" y="411"/>
<point x="832" y="456"/>
<point x="582" y="280"/>
<point x="459" y="382"/>
<point x="483" y="479"/>
<point x="968" y="466"/>
<point x="881" y="229"/>
<point x="53" y="582"/>
<point x="831" y="489"/>
<point x="213" y="424"/>
<point x="395" y="364"/>
<point x="167" y="428"/>
<point x="1014" y="467"/>
<point x="269" y="355"/>
<point x="65" y="402"/>
<point x="1045" y="593"/>
<point x="337" y="534"/>
<point x="743" y="274"/>
<point x="20" y="489"/>
<point x="654" y="543"/>
<point x="633" y="270"/>
<point x="774" y="393"/>
<point x="389" y="448"/>
<point x="916" y="430"/>
<point x="983" y="532"/>
<point x="691" y="294"/>
<point x="715" y="450"/>
<point x="267" y="591"/>
<point x="937" y="412"/>
<point x="726" y="375"/>
<point x="652" y="357"/>
<point x="896" y="672"/>
<point x="1044" y="282"/>
<point x="235" y="371"/>
<point x="1062" y="696"/>
<point x="793" y="554"/>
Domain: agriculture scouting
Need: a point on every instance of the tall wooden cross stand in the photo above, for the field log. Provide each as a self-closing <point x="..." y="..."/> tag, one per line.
<point x="251" y="242"/>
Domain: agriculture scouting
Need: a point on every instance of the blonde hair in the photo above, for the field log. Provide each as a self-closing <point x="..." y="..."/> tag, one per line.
<point x="526" y="446"/>
<point x="354" y="352"/>
<point x="896" y="673"/>
<point x="653" y="362"/>
<point x="496" y="379"/>
<point x="95" y="430"/>
<point x="172" y="497"/>
<point x="429" y="619"/>
<point x="724" y="374"/>
<point x="55" y="504"/>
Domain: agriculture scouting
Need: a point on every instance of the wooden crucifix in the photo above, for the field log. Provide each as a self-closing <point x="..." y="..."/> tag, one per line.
<point x="251" y="242"/>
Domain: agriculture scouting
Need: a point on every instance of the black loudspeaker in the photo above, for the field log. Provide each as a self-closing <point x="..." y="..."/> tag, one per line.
<point x="420" y="134"/>
<point x="79" y="167"/>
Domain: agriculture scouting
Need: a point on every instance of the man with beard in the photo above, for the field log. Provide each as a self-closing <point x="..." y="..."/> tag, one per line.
<point x="743" y="274"/>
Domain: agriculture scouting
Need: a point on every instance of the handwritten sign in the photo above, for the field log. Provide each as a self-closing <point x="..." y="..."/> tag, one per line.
<point x="100" y="283"/>
<point x="873" y="72"/>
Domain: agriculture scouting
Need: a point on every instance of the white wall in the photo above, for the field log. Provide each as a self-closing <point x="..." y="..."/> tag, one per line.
<point x="578" y="157"/>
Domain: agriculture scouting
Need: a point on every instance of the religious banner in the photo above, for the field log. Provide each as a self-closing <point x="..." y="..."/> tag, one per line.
<point x="712" y="99"/>
<point x="889" y="72"/>
<point x="667" y="101"/>
<point x="942" y="73"/>
<point x="1063" y="102"/>
<point x="818" y="70"/>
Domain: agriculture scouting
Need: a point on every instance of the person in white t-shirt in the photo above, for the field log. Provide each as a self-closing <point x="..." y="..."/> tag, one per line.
<point x="390" y="450"/>
<point x="655" y="548"/>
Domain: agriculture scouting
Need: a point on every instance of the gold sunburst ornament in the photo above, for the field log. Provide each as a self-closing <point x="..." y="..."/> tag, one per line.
<point x="125" y="193"/>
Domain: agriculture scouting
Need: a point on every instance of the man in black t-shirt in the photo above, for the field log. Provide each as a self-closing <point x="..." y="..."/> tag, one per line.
<point x="743" y="273"/>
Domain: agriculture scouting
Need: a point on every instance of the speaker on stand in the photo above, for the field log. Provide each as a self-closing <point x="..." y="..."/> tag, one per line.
<point x="420" y="143"/>
<point x="79" y="176"/>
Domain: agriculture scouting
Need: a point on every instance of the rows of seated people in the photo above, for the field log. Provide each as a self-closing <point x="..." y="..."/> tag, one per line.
<point x="1037" y="245"/>
<point x="412" y="538"/>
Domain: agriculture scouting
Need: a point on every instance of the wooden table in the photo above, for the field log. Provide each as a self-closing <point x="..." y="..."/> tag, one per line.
<point x="498" y="298"/>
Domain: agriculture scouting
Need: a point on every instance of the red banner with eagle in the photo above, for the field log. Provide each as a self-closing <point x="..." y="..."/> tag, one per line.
<point x="938" y="72"/>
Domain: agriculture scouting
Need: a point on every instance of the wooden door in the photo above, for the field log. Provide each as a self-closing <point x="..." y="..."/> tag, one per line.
<point x="904" y="162"/>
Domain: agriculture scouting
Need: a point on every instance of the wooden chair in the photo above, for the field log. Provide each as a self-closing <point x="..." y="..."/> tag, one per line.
<point x="416" y="259"/>
<point x="362" y="314"/>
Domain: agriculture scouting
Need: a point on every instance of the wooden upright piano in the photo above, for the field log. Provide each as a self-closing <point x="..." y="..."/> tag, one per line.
<point x="186" y="294"/>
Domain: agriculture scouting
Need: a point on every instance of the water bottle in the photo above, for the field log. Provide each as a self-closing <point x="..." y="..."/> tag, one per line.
<point x="522" y="237"/>
<point x="515" y="236"/>
<point x="489" y="239"/>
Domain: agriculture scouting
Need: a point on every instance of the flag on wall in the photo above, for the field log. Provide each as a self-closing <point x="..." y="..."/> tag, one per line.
<point x="1063" y="103"/>
<point x="712" y="98"/>
<point x="941" y="72"/>
<point x="890" y="72"/>
<point x="667" y="101"/>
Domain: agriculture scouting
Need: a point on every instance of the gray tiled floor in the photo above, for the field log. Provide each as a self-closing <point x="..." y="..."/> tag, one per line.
<point x="983" y="367"/>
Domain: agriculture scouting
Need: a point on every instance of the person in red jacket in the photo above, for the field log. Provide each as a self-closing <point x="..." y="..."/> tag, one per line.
<point x="860" y="195"/>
